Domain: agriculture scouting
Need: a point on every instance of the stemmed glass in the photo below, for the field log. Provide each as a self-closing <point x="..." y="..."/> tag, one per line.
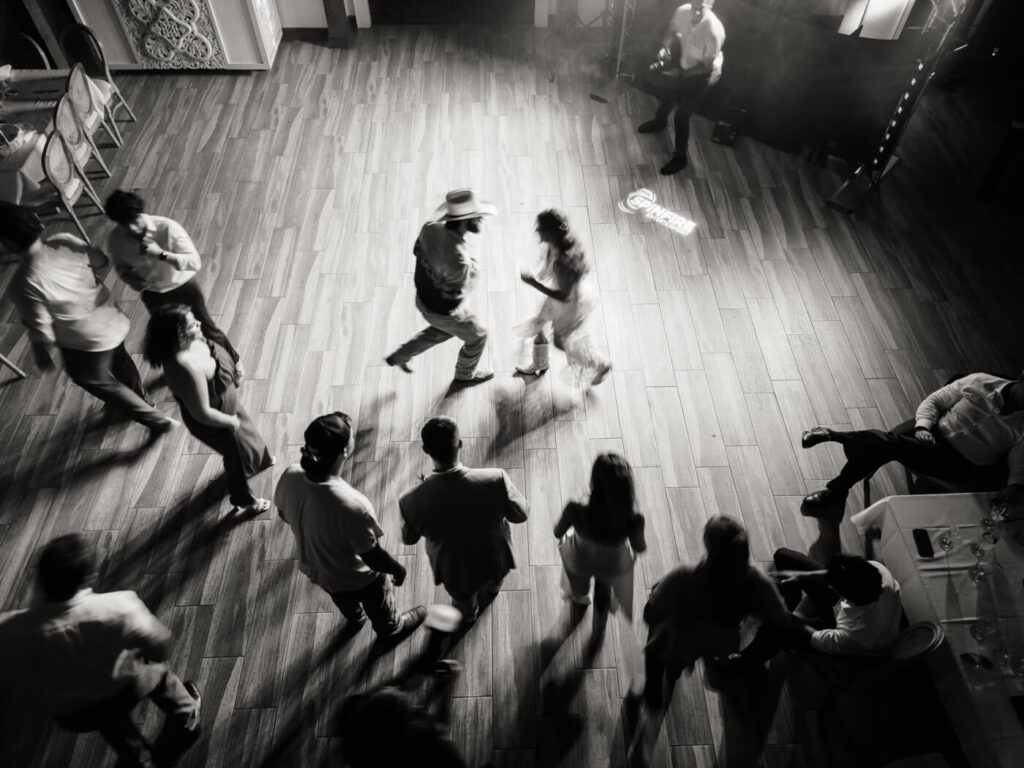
<point x="976" y="573"/>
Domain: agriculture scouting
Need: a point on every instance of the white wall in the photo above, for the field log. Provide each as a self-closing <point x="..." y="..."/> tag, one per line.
<point x="305" y="13"/>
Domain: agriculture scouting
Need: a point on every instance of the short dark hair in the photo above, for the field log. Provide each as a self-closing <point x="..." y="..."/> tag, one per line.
<point x="65" y="567"/>
<point x="440" y="437"/>
<point x="124" y="207"/>
<point x="19" y="226"/>
<point x="726" y="542"/>
<point x="854" y="578"/>
<point x="165" y="334"/>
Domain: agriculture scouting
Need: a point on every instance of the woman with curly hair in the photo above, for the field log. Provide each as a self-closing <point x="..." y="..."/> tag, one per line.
<point x="568" y="305"/>
<point x="600" y="540"/>
<point x="201" y="376"/>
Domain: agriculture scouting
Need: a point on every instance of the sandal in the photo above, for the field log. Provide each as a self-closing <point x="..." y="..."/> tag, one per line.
<point x="258" y="507"/>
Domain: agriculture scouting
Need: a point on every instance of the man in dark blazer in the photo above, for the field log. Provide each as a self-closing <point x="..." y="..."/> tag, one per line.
<point x="463" y="514"/>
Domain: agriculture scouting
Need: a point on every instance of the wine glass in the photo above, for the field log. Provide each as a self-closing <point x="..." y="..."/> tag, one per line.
<point x="946" y="544"/>
<point x="976" y="573"/>
<point x="983" y="627"/>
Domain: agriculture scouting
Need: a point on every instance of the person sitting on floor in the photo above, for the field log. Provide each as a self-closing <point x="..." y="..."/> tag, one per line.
<point x="866" y="622"/>
<point x="962" y="433"/>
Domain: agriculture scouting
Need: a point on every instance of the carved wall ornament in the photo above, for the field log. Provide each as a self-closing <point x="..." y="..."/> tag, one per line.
<point x="172" y="34"/>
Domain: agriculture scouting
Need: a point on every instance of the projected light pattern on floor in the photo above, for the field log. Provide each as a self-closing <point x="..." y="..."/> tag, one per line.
<point x="644" y="202"/>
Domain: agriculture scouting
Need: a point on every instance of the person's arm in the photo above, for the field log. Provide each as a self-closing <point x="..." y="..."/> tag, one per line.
<point x="181" y="252"/>
<point x="555" y="293"/>
<point x="637" y="540"/>
<point x="664" y="597"/>
<point x="836" y="641"/>
<point x="144" y="631"/>
<point x="409" y="533"/>
<point x="1013" y="494"/>
<point x="190" y="386"/>
<point x="937" y="403"/>
<point x="565" y="520"/>
<point x="381" y="561"/>
<point x="518" y="509"/>
<point x="802" y="577"/>
<point x="36" y="317"/>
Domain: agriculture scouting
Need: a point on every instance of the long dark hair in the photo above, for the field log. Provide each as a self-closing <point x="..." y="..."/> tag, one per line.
<point x="166" y="334"/>
<point x="725" y="569"/>
<point x="612" y="495"/>
<point x="571" y="253"/>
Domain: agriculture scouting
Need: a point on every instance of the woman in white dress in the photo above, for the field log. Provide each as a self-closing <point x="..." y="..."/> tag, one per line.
<point x="568" y="305"/>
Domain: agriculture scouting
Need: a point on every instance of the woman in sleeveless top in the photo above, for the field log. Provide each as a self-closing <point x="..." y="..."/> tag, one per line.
<point x="600" y="539"/>
<point x="201" y="376"/>
<point x="567" y="306"/>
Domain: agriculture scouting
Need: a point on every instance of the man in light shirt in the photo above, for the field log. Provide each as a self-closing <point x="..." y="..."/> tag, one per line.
<point x="63" y="302"/>
<point x="155" y="256"/>
<point x="865" y="623"/>
<point x="446" y="271"/>
<point x="691" y="56"/>
<point x="966" y="432"/>
<point x="87" y="658"/>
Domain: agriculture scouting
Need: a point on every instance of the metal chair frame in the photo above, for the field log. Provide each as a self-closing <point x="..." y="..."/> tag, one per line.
<point x="55" y="151"/>
<point x="98" y="69"/>
<point x="80" y="91"/>
<point x="66" y="120"/>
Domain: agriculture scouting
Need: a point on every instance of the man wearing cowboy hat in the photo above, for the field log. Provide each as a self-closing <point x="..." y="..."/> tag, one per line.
<point x="445" y="273"/>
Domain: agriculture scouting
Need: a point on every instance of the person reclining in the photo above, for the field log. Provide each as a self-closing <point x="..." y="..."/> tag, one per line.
<point x="962" y="433"/>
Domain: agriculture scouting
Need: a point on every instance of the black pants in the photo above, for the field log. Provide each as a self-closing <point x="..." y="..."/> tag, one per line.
<point x="192" y="297"/>
<point x="814" y="599"/>
<point x="684" y="98"/>
<point x="111" y="376"/>
<point x="375" y="601"/>
<point x="869" y="449"/>
<point x="112" y="719"/>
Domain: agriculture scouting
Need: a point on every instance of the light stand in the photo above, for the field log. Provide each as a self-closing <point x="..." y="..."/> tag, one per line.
<point x="870" y="174"/>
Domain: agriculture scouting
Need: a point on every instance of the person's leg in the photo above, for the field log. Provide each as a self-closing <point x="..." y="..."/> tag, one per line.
<point x="378" y="601"/>
<point x="119" y="386"/>
<point x="350" y="605"/>
<point x="239" y="492"/>
<point x="113" y="721"/>
<point x="181" y="719"/>
<point x="575" y="586"/>
<point x="467" y="605"/>
<point x="541" y="356"/>
<point x="771" y="638"/>
<point x="432" y="335"/>
<point x="465" y="326"/>
<point x="602" y="607"/>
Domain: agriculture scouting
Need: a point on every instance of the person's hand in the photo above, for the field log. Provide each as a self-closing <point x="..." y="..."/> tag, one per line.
<point x="924" y="435"/>
<point x="398" y="577"/>
<point x="42" y="356"/>
<point x="664" y="55"/>
<point x="527" y="277"/>
<point x="787" y="577"/>
<point x="1010" y="496"/>
<point x="150" y="248"/>
<point x="235" y="425"/>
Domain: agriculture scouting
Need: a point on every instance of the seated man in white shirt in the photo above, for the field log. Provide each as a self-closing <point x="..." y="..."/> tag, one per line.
<point x="689" y="62"/>
<point x="866" y="622"/>
<point x="88" y="658"/>
<point x="966" y="432"/>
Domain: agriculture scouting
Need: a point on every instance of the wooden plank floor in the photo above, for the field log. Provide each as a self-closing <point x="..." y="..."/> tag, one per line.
<point x="304" y="189"/>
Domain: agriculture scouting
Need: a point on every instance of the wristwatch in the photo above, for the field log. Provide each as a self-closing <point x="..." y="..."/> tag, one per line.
<point x="163" y="255"/>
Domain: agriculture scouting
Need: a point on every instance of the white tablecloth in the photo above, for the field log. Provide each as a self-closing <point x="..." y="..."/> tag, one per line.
<point x="938" y="589"/>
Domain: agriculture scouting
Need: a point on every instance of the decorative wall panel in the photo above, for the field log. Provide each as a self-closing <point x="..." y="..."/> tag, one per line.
<point x="172" y="34"/>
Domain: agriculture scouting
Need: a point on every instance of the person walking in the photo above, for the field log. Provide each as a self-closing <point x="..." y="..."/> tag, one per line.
<point x="337" y="533"/>
<point x="446" y="271"/>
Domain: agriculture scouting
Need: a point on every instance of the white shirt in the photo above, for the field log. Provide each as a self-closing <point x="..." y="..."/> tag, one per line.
<point x="862" y="629"/>
<point x="967" y="414"/>
<point x="149" y="273"/>
<point x="701" y="44"/>
<point x="61" y="301"/>
<point x="333" y="525"/>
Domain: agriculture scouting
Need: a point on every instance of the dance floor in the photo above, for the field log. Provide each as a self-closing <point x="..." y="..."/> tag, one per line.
<point x="304" y="189"/>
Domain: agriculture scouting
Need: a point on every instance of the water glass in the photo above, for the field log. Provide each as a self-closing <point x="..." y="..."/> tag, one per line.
<point x="946" y="540"/>
<point x="983" y="627"/>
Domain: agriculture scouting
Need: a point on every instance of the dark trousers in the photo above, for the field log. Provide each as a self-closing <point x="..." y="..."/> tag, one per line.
<point x="375" y="601"/>
<point x="112" y="719"/>
<point x="867" y="450"/>
<point x="684" y="98"/>
<point x="191" y="295"/>
<point x="112" y="377"/>
<point x="814" y="600"/>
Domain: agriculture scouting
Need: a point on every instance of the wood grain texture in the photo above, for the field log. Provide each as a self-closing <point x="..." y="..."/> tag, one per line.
<point x="304" y="189"/>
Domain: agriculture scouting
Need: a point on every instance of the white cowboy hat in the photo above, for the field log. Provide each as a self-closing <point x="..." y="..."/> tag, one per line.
<point x="463" y="204"/>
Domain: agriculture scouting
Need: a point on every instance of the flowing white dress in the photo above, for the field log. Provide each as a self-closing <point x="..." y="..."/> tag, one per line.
<point x="570" y="322"/>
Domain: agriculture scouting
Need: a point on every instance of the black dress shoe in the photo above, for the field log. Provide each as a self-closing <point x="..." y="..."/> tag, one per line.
<point x="676" y="164"/>
<point x="822" y="503"/>
<point x="652" y="126"/>
<point x="815" y="435"/>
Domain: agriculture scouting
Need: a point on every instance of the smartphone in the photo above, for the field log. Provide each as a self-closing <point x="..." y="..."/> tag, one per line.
<point x="923" y="542"/>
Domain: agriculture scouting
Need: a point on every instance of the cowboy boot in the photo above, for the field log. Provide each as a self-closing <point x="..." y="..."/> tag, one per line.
<point x="540" y="361"/>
